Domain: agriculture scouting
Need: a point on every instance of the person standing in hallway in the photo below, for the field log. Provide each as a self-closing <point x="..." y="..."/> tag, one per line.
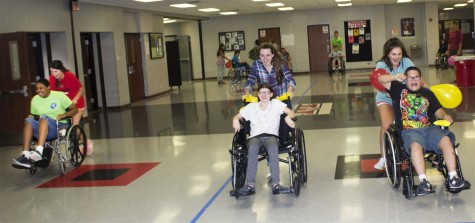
<point x="455" y="40"/>
<point x="254" y="52"/>
<point x="336" y="41"/>
<point x="286" y="56"/>
<point x="220" y="62"/>
<point x="395" y="61"/>
<point x="61" y="79"/>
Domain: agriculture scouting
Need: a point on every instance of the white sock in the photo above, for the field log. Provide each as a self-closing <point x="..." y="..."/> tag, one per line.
<point x="422" y="177"/>
<point x="39" y="149"/>
<point x="452" y="174"/>
<point x="26" y="154"/>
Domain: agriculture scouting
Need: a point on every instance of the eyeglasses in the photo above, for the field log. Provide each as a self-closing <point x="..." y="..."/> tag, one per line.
<point x="414" y="78"/>
<point x="264" y="92"/>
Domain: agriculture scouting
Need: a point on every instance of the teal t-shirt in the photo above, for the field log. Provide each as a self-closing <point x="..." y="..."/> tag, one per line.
<point x="56" y="103"/>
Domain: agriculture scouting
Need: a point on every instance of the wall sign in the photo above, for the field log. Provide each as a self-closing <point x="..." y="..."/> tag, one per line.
<point x="232" y="40"/>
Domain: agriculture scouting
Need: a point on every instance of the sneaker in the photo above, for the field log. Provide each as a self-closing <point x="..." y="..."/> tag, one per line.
<point x="21" y="161"/>
<point x="381" y="164"/>
<point x="247" y="190"/>
<point x="35" y="156"/>
<point x="457" y="184"/>
<point x="424" y="188"/>
<point x="278" y="189"/>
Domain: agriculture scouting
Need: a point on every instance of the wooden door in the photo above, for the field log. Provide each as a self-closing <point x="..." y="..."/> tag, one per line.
<point x="266" y="34"/>
<point x="133" y="53"/>
<point x="88" y="66"/>
<point x="318" y="47"/>
<point x="15" y="82"/>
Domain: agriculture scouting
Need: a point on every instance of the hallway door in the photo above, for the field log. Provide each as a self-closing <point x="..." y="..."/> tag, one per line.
<point x="269" y="33"/>
<point x="90" y="85"/>
<point x="15" y="82"/>
<point x="133" y="53"/>
<point x="318" y="47"/>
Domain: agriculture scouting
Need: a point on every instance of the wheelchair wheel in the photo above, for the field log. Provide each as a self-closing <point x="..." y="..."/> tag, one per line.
<point x="62" y="165"/>
<point x="231" y="74"/>
<point x="302" y="154"/>
<point x="236" y="88"/>
<point x="408" y="187"/>
<point x="31" y="171"/>
<point x="76" y="145"/>
<point x="296" y="186"/>
<point x="238" y="162"/>
<point x="391" y="153"/>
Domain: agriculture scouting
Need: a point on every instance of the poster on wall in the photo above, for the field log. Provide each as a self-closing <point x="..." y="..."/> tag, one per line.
<point x="358" y="44"/>
<point x="407" y="27"/>
<point x="234" y="40"/>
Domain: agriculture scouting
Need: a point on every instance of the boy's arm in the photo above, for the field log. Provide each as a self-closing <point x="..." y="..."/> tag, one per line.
<point x="440" y="114"/>
<point x="385" y="80"/>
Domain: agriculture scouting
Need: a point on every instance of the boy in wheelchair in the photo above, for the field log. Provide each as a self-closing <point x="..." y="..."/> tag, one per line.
<point x="264" y="117"/>
<point x="415" y="109"/>
<point x="46" y="107"/>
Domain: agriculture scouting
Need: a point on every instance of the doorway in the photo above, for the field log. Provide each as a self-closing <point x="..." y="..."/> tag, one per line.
<point x="133" y="51"/>
<point x="89" y="69"/>
<point x="266" y="34"/>
<point x="318" y="47"/>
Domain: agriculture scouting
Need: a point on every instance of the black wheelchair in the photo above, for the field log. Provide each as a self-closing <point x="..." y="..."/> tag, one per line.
<point x="442" y="61"/>
<point x="69" y="146"/>
<point x="294" y="147"/>
<point x="398" y="163"/>
<point x="341" y="67"/>
<point x="235" y="75"/>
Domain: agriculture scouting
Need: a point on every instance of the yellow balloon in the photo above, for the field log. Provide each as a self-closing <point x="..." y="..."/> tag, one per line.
<point x="449" y="95"/>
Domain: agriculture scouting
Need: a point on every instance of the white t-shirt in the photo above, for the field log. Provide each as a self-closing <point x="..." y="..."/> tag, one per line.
<point x="264" y="121"/>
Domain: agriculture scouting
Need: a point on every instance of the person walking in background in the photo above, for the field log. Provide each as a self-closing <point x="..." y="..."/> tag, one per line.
<point x="455" y="40"/>
<point x="61" y="79"/>
<point x="220" y="62"/>
<point x="286" y="55"/>
<point x="395" y="61"/>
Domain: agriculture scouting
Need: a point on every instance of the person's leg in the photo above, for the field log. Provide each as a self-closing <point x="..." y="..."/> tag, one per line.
<point x="77" y="117"/>
<point x="272" y="146"/>
<point x="28" y="128"/>
<point x="449" y="153"/>
<point x="253" y="146"/>
<point x="417" y="156"/>
<point x="386" y="116"/>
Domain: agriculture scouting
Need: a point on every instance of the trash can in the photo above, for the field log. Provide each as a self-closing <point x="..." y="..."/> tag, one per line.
<point x="464" y="71"/>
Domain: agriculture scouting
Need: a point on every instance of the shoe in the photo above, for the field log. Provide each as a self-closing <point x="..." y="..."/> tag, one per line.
<point x="424" y="188"/>
<point x="278" y="189"/>
<point x="35" y="156"/>
<point x="247" y="190"/>
<point x="381" y="164"/>
<point x="21" y="161"/>
<point x="457" y="184"/>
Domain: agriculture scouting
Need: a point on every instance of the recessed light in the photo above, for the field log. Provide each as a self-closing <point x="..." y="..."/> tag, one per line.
<point x="277" y="4"/>
<point x="403" y="1"/>
<point x="228" y="13"/>
<point x="169" y="21"/>
<point x="209" y="10"/>
<point x="344" y="4"/>
<point x="460" y="5"/>
<point x="447" y="9"/>
<point x="148" y="0"/>
<point x="286" y="9"/>
<point x="183" y="5"/>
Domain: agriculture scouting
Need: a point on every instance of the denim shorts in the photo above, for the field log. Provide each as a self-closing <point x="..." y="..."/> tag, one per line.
<point x="52" y="130"/>
<point x="382" y="98"/>
<point x="428" y="138"/>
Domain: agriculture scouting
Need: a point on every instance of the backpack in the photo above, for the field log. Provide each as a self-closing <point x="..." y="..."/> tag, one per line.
<point x="254" y="54"/>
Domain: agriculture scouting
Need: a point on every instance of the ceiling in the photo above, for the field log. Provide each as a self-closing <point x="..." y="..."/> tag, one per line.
<point x="247" y="6"/>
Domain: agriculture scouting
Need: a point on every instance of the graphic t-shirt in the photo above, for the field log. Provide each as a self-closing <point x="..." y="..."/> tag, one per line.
<point x="413" y="109"/>
<point x="56" y="103"/>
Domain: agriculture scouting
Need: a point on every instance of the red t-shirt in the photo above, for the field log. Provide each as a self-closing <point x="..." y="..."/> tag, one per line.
<point x="70" y="85"/>
<point x="455" y="38"/>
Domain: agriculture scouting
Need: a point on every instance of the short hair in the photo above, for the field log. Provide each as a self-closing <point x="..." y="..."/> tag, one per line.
<point x="413" y="68"/>
<point x="43" y="81"/>
<point x="335" y="32"/>
<point x="237" y="51"/>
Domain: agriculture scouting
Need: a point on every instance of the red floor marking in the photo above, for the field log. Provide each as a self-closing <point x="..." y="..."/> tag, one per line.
<point x="308" y="109"/>
<point x="368" y="165"/>
<point x="135" y="171"/>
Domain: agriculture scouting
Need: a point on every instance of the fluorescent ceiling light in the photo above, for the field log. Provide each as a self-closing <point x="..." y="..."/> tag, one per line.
<point x="460" y="5"/>
<point x="277" y="4"/>
<point x="260" y="0"/>
<point x="344" y="4"/>
<point x="209" y="10"/>
<point x="228" y="13"/>
<point x="342" y="0"/>
<point x="183" y="5"/>
<point x="470" y="1"/>
<point x="164" y="19"/>
<point x="447" y="9"/>
<point x="402" y="1"/>
<point x="148" y="0"/>
<point x="169" y="21"/>
<point x="286" y="9"/>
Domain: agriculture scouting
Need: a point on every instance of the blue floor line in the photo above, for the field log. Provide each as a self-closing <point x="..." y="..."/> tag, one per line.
<point x="229" y="179"/>
<point x="211" y="201"/>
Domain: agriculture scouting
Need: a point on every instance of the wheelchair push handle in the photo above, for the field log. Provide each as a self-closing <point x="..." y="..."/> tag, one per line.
<point x="250" y="98"/>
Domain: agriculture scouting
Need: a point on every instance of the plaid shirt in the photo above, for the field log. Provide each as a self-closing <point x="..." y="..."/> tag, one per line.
<point x="260" y="75"/>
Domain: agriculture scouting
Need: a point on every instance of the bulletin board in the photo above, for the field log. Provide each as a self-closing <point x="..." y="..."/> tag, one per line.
<point x="232" y="40"/>
<point x="358" y="41"/>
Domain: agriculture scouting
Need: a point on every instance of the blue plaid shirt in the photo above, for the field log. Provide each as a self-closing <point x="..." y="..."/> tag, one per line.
<point x="260" y="75"/>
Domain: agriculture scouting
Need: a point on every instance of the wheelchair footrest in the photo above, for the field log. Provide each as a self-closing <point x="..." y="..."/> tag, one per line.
<point x="458" y="190"/>
<point x="425" y="193"/>
<point x="237" y="193"/>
